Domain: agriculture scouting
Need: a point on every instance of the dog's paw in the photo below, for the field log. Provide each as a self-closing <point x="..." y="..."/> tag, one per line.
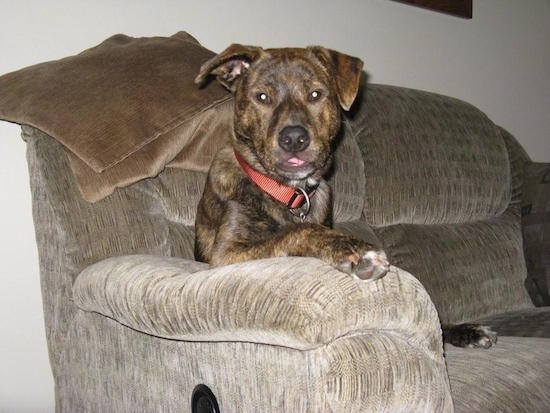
<point x="470" y="335"/>
<point x="370" y="266"/>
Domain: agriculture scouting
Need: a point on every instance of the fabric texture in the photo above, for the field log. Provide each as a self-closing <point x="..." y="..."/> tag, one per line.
<point x="408" y="137"/>
<point x="476" y="253"/>
<point x="123" y="109"/>
<point x="536" y="230"/>
<point x="370" y="372"/>
<point x="134" y="323"/>
<point x="532" y="322"/>
<point x="156" y="325"/>
<point x="294" y="302"/>
<point x="442" y="197"/>
<point x="347" y="193"/>
<point x="191" y="145"/>
<point x="509" y="378"/>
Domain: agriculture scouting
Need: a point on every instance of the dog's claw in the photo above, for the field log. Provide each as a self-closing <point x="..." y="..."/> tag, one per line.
<point x="371" y="266"/>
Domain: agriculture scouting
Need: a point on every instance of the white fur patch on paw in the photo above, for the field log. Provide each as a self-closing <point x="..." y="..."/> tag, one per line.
<point x="371" y="266"/>
<point x="487" y="338"/>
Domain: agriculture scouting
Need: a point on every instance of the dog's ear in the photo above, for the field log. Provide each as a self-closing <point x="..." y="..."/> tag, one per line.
<point x="229" y="64"/>
<point x="347" y="71"/>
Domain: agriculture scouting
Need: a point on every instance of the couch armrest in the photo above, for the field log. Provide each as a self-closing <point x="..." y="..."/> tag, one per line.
<point x="293" y="302"/>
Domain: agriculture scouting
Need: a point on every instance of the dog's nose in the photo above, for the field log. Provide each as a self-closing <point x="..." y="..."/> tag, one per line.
<point x="294" y="139"/>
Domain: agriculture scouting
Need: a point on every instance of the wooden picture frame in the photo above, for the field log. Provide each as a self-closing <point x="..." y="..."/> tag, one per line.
<point x="460" y="8"/>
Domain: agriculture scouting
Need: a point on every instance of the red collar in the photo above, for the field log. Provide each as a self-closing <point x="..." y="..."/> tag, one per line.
<point x="291" y="197"/>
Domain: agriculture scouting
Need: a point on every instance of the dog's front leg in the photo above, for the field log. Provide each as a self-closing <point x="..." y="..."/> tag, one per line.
<point x="343" y="252"/>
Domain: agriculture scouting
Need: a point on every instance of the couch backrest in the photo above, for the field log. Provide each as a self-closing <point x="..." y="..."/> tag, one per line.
<point x="441" y="193"/>
<point x="429" y="159"/>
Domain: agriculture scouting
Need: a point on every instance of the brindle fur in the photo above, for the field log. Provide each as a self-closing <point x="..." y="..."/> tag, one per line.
<point x="236" y="220"/>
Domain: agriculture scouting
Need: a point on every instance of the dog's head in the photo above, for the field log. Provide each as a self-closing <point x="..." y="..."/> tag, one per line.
<point x="287" y="105"/>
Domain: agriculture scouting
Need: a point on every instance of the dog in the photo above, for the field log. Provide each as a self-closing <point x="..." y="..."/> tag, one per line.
<point x="266" y="195"/>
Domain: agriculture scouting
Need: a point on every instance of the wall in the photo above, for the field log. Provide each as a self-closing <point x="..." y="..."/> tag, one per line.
<point x="498" y="61"/>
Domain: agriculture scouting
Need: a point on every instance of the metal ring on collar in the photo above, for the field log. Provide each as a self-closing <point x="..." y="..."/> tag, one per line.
<point x="302" y="214"/>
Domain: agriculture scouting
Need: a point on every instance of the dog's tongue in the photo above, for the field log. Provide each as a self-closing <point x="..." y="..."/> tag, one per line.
<point x="295" y="161"/>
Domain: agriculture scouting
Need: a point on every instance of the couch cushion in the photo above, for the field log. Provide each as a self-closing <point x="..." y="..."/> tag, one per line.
<point x="531" y="322"/>
<point x="509" y="377"/>
<point x="429" y="159"/>
<point x="348" y="178"/>
<point x="536" y="230"/>
<point x="441" y="194"/>
<point x="470" y="270"/>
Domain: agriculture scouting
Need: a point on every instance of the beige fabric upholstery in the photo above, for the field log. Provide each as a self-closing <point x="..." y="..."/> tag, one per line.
<point x="139" y="372"/>
<point x="511" y="377"/>
<point x="440" y="183"/>
<point x="295" y="302"/>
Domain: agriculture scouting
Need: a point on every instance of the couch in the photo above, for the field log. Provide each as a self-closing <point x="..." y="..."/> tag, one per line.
<point x="119" y="140"/>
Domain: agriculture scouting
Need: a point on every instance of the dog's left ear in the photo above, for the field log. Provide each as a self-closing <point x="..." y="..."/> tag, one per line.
<point x="347" y="70"/>
<point x="229" y="64"/>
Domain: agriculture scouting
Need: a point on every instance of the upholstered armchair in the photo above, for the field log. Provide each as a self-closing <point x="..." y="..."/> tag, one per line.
<point x="117" y="161"/>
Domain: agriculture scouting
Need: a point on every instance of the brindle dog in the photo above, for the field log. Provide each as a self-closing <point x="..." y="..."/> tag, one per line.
<point x="265" y="196"/>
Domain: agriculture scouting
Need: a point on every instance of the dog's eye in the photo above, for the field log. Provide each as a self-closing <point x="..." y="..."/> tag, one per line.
<point x="263" y="98"/>
<point x="315" y="95"/>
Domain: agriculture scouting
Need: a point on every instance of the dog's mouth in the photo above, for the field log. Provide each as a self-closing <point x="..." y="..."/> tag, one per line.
<point x="295" y="162"/>
<point x="295" y="166"/>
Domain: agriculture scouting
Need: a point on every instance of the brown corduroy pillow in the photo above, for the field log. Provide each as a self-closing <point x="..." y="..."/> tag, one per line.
<point x="124" y="109"/>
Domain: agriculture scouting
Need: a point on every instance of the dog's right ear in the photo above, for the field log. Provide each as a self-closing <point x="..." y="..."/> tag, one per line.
<point x="229" y="64"/>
